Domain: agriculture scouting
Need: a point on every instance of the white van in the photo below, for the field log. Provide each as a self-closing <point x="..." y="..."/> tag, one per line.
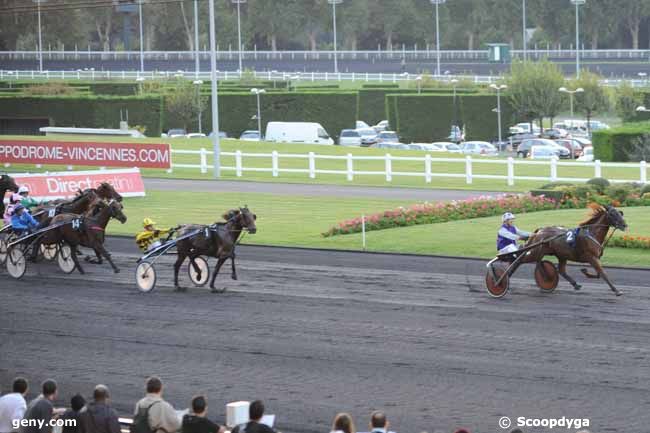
<point x="297" y="132"/>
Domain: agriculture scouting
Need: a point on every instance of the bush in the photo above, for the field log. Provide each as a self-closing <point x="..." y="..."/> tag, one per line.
<point x="620" y="193"/>
<point x="585" y="191"/>
<point x="49" y="89"/>
<point x="600" y="183"/>
<point x="555" y="195"/>
<point x="645" y="189"/>
<point x="554" y="185"/>
<point x="619" y="144"/>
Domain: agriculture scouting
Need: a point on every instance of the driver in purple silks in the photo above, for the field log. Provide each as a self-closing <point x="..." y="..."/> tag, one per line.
<point x="509" y="234"/>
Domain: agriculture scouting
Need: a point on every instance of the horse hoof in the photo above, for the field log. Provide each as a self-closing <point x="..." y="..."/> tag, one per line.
<point x="117" y="271"/>
<point x="234" y="277"/>
<point x="180" y="289"/>
<point x="214" y="290"/>
<point x="577" y="286"/>
<point x="619" y="293"/>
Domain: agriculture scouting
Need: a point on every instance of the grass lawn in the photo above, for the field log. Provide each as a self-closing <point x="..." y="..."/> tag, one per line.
<point x="299" y="221"/>
<point x="457" y="168"/>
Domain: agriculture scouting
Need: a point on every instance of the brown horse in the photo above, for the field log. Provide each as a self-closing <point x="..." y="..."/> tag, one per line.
<point x="7" y="183"/>
<point x="78" y="205"/>
<point x="85" y="230"/>
<point x="217" y="240"/>
<point x="586" y="246"/>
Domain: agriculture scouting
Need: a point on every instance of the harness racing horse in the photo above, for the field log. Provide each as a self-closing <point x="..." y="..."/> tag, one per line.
<point x="85" y="230"/>
<point x="7" y="183"/>
<point x="586" y="244"/>
<point x="217" y="240"/>
<point x="79" y="204"/>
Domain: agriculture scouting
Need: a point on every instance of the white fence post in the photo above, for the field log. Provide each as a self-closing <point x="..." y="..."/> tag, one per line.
<point x="204" y="161"/>
<point x="312" y="165"/>
<point x="598" y="172"/>
<point x="350" y="167"/>
<point x="468" y="169"/>
<point x="644" y="174"/>
<point x="511" y="171"/>
<point x="274" y="159"/>
<point x="238" y="163"/>
<point x="553" y="169"/>
<point x="389" y="168"/>
<point x="427" y="168"/>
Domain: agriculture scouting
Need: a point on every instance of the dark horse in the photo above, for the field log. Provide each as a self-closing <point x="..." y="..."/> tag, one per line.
<point x="217" y="240"/>
<point x="79" y="204"/>
<point x="7" y="183"/>
<point x="586" y="247"/>
<point x="85" y="230"/>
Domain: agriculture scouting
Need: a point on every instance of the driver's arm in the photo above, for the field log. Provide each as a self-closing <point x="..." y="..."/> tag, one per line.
<point x="523" y="234"/>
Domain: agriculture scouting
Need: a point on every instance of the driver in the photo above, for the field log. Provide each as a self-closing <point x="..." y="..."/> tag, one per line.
<point x="22" y="221"/>
<point x="509" y="234"/>
<point x="14" y="200"/>
<point x="149" y="238"/>
<point x="27" y="201"/>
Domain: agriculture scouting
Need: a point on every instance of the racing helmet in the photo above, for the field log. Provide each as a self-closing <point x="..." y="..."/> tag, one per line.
<point x="148" y="222"/>
<point x="18" y="207"/>
<point x="16" y="198"/>
<point x="507" y="216"/>
<point x="23" y="189"/>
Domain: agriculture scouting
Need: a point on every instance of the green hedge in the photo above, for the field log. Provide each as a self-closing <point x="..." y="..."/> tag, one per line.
<point x="380" y="86"/>
<point x="616" y="143"/>
<point x="372" y="108"/>
<point x="428" y="117"/>
<point x="88" y="111"/>
<point x="114" y="89"/>
<point x="335" y="110"/>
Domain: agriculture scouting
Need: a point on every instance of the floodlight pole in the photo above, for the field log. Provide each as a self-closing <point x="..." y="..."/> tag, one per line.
<point x="197" y="61"/>
<point x="499" y="88"/>
<point x="40" y="39"/>
<point x="437" y="3"/>
<point x="215" y="105"/>
<point x="577" y="4"/>
<point x="336" y="60"/>
<point x="141" y="38"/>
<point x="523" y="27"/>
<point x="239" y="2"/>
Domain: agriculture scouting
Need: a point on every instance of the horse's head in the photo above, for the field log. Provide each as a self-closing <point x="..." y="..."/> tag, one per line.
<point x="117" y="211"/>
<point x="8" y="183"/>
<point x="105" y="190"/>
<point x="243" y="217"/>
<point x="615" y="218"/>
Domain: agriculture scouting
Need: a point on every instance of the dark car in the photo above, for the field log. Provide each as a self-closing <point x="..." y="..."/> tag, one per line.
<point x="571" y="145"/>
<point x="523" y="150"/>
<point x="516" y="139"/>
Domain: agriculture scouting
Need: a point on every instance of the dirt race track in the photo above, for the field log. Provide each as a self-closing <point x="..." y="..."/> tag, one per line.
<point x="314" y="333"/>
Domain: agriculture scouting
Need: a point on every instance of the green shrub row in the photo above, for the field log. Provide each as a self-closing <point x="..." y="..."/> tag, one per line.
<point x="428" y="117"/>
<point x="87" y="111"/>
<point x="621" y="144"/>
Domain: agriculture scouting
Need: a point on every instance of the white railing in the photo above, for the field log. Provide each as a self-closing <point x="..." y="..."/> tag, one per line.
<point x="426" y="172"/>
<point x="397" y="53"/>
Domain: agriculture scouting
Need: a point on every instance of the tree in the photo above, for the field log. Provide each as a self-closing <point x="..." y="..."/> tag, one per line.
<point x="632" y="14"/>
<point x="595" y="97"/>
<point x="627" y="100"/>
<point x="533" y="89"/>
<point x="182" y="104"/>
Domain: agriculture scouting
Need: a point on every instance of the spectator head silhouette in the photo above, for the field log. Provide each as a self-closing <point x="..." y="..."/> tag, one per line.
<point x="256" y="410"/>
<point x="49" y="389"/>
<point x="20" y="385"/>
<point x="77" y="402"/>
<point x="101" y="393"/>
<point x="154" y="385"/>
<point x="199" y="405"/>
<point x="378" y="420"/>
<point x="343" y="422"/>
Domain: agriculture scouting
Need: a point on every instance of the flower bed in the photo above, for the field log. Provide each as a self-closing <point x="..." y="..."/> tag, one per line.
<point x="629" y="241"/>
<point x="429" y="213"/>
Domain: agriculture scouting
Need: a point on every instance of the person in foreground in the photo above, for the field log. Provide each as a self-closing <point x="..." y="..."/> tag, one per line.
<point x="196" y="421"/>
<point x="98" y="416"/>
<point x="154" y="413"/>
<point x="13" y="405"/>
<point x="509" y="234"/>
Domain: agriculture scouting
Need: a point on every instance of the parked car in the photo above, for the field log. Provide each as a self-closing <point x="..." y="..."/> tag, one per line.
<point x="388" y="145"/>
<point x="361" y="124"/>
<point x="381" y="126"/>
<point x="524" y="127"/>
<point x="587" y="155"/>
<point x="387" y="137"/>
<point x="222" y="134"/>
<point x="176" y="133"/>
<point x="250" y="135"/>
<point x="523" y="150"/>
<point x="195" y="135"/>
<point x="428" y="147"/>
<point x="479" y="148"/>
<point x="350" y="137"/>
<point x="572" y="145"/>
<point x="368" y="136"/>
<point x="297" y="132"/>
<point x="596" y="125"/>
<point x="555" y="133"/>
<point x="584" y="142"/>
<point x="516" y="139"/>
<point x="449" y="147"/>
<point x="542" y="152"/>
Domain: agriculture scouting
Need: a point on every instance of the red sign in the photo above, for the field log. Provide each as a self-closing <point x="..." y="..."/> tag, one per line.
<point x="142" y="155"/>
<point x="50" y="186"/>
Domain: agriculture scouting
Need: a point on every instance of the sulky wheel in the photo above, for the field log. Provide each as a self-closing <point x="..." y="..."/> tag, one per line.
<point x="495" y="272"/>
<point x="546" y="276"/>
<point x="65" y="260"/>
<point x="3" y="249"/>
<point x="16" y="262"/>
<point x="49" y="251"/>
<point x="145" y="276"/>
<point x="203" y="269"/>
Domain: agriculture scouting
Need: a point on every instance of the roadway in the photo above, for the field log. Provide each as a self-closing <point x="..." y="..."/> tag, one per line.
<point x="317" y="332"/>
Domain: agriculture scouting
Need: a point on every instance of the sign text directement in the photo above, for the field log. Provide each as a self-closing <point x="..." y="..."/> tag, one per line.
<point x="142" y="155"/>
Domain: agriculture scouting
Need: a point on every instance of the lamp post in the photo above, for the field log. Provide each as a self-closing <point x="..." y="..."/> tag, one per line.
<point x="523" y="27"/>
<point x="577" y="4"/>
<point x="437" y="3"/>
<point x="454" y="83"/>
<point x="197" y="62"/>
<point x="258" y="92"/>
<point x="334" y="3"/>
<point x="198" y="84"/>
<point x="418" y="80"/>
<point x="571" y="93"/>
<point x="40" y="39"/>
<point x="215" y="105"/>
<point x="499" y="88"/>
<point x="238" y="3"/>
<point x="141" y="38"/>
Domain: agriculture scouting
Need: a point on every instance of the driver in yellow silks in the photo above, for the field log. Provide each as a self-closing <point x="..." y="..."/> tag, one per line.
<point x="149" y="238"/>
